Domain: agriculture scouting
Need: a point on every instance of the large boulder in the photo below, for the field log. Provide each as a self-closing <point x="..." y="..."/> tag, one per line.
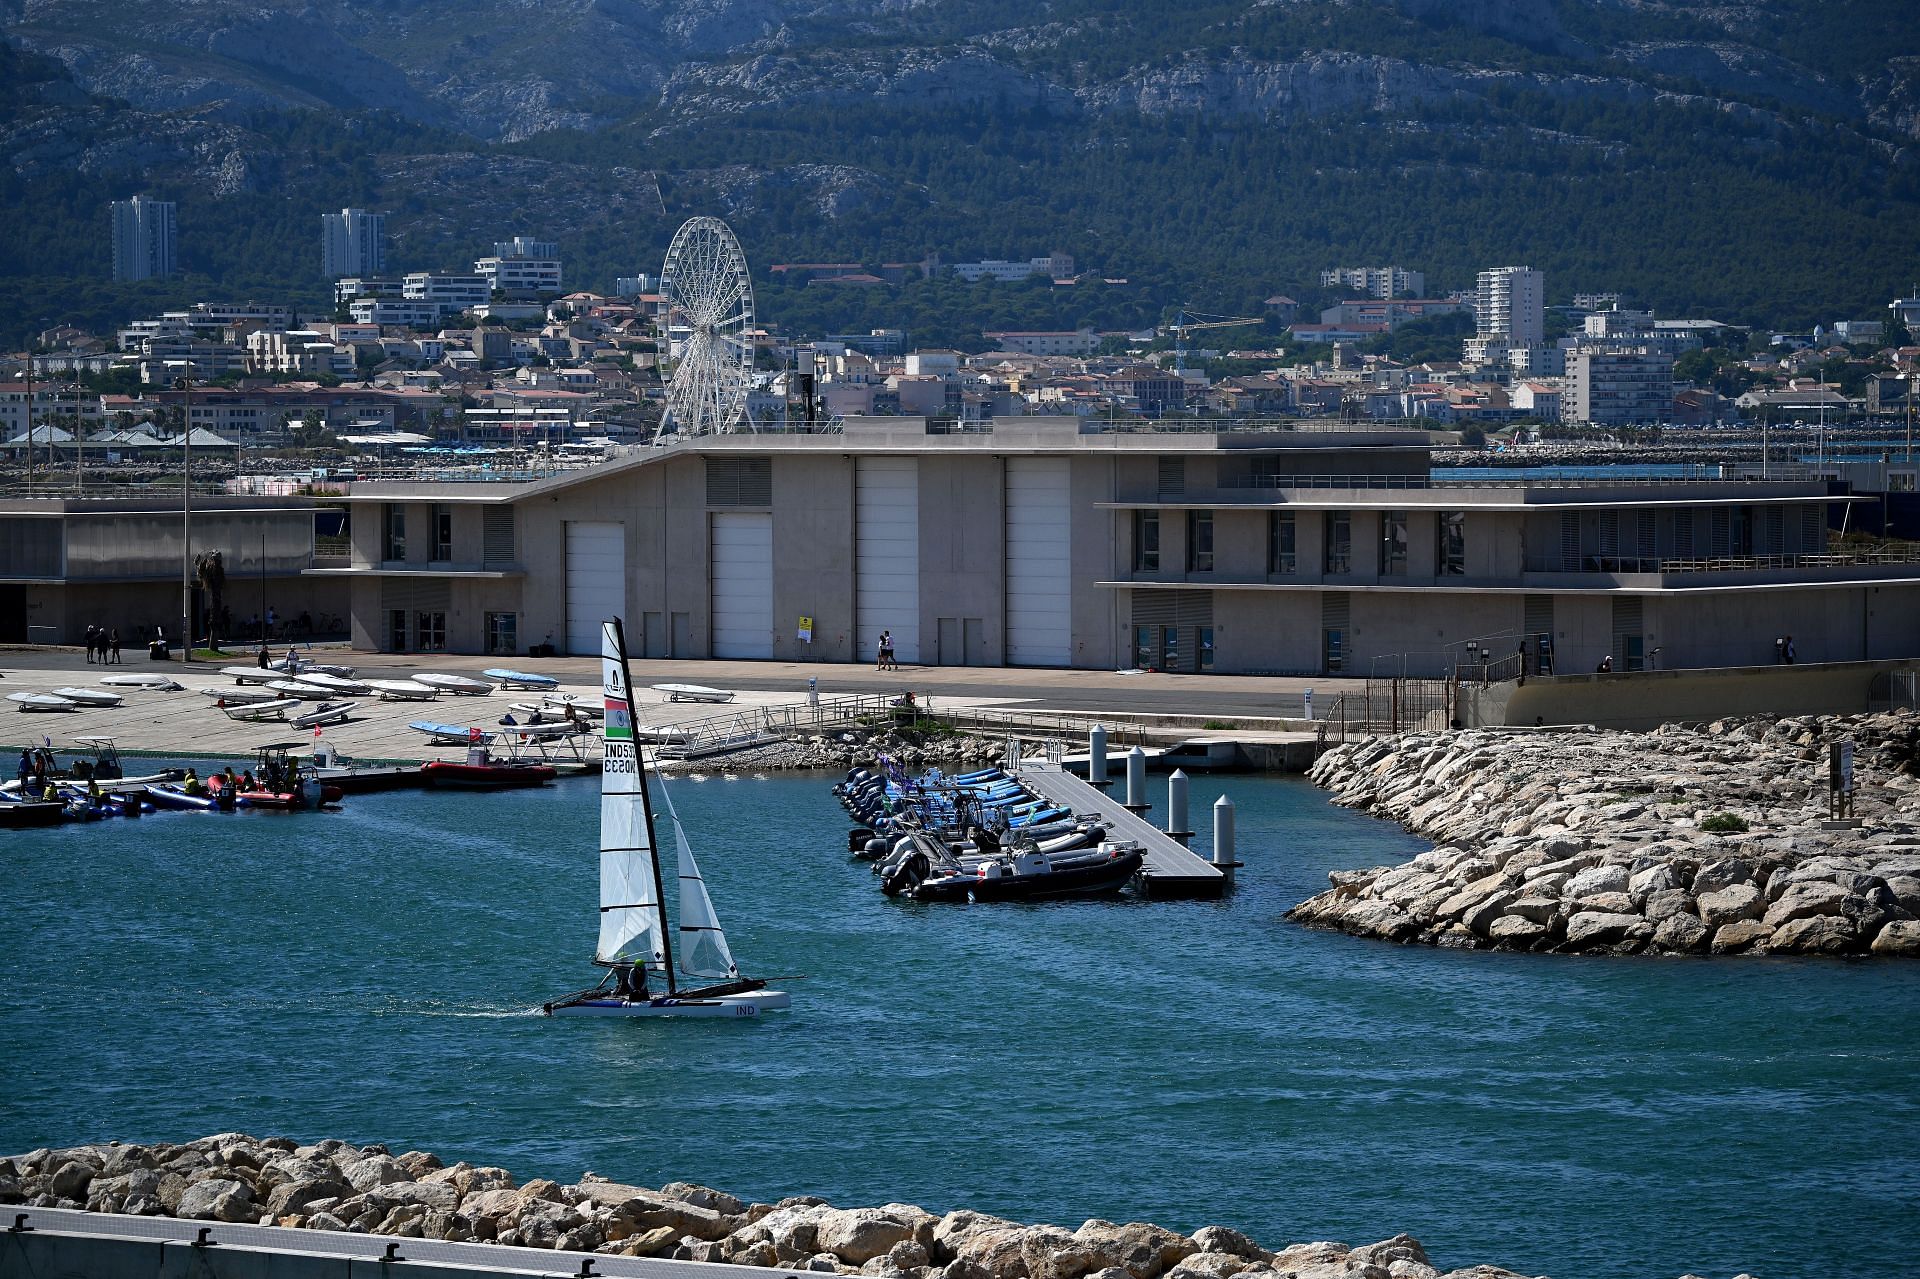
<point x="649" y="1209"/>
<point x="1209" y="1265"/>
<point x="70" y="1179"/>
<point x="1805" y="901"/>
<point x="1739" y="936"/>
<point x="1680" y="933"/>
<point x="466" y="1179"/>
<point x="373" y="1170"/>
<point x="218" y="1199"/>
<point x="1721" y="873"/>
<point x="858" y="1235"/>
<point x="1228" y="1240"/>
<point x="1592" y="929"/>
<point x="1597" y="879"/>
<point x="1143" y="1250"/>
<point x="705" y="1197"/>
<point x="1662" y="904"/>
<point x="1901" y="937"/>
<point x="993" y="1243"/>
<point x="1728" y="905"/>
<point x="297" y="1196"/>
<point x="1814" y="935"/>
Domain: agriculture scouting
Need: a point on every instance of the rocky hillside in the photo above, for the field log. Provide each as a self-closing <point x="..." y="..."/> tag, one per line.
<point x="1211" y="153"/>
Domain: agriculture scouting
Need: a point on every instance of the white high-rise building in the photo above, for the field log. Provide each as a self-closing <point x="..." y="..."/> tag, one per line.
<point x="142" y="238"/>
<point x="525" y="246"/>
<point x="1376" y="281"/>
<point x="1511" y="302"/>
<point x="353" y="242"/>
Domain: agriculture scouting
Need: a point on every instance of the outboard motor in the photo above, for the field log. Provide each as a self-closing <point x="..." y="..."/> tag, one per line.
<point x="857" y="838"/>
<point x="909" y="875"/>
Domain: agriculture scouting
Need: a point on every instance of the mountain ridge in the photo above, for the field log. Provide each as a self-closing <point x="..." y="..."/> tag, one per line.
<point x="1220" y="151"/>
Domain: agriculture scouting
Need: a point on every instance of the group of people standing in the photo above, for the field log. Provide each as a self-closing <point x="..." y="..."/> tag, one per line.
<point x="103" y="644"/>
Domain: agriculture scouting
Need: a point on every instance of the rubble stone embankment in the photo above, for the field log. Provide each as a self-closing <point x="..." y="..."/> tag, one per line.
<point x="1691" y="839"/>
<point x="335" y="1185"/>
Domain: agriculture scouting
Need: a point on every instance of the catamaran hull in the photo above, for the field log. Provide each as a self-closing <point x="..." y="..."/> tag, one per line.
<point x="747" y="1004"/>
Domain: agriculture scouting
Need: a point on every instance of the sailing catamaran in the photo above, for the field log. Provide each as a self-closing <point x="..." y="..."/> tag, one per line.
<point x="635" y="947"/>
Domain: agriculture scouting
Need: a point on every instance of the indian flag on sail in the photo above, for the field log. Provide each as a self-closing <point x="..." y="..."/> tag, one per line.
<point x="619" y="720"/>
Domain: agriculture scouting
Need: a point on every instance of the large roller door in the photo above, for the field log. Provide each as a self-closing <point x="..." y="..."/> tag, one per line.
<point x="596" y="581"/>
<point x="742" y="562"/>
<point x="887" y="577"/>
<point x="1039" y="580"/>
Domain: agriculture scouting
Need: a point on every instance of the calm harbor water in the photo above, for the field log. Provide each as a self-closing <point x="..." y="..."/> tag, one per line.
<point x="366" y="974"/>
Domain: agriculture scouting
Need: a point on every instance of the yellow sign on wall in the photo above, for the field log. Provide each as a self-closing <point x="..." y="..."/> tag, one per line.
<point x="806" y="629"/>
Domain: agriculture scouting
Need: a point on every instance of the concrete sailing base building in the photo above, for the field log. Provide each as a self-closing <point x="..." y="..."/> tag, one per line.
<point x="1058" y="542"/>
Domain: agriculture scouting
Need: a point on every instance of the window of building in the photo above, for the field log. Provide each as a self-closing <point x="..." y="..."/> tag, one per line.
<point x="1146" y="541"/>
<point x="1333" y="651"/>
<point x="430" y="632"/>
<point x="1206" y="648"/>
<point x="1338" y="557"/>
<point x="1393" y="543"/>
<point x="503" y="633"/>
<point x="395" y="523"/>
<point x="397" y="630"/>
<point x="1143" y="654"/>
<point x="1282" y="556"/>
<point x="1170" y="648"/>
<point x="1199" y="541"/>
<point x="442" y="533"/>
<point x="1450" y="545"/>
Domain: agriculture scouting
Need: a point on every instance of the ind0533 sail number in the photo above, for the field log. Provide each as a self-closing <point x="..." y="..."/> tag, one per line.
<point x="619" y="757"/>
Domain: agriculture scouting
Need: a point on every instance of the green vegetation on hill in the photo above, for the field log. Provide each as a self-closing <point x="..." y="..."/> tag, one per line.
<point x="1735" y="205"/>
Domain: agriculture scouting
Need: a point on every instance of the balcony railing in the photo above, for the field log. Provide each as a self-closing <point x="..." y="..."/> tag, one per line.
<point x="1887" y="554"/>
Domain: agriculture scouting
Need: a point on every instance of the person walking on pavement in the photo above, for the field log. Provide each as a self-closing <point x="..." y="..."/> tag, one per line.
<point x="113" y="643"/>
<point x="92" y="630"/>
<point x="885" y="662"/>
<point x="1786" y="650"/>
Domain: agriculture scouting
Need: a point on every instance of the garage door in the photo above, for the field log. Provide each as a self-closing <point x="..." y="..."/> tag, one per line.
<point x="596" y="581"/>
<point x="887" y="555"/>
<point x="1039" y="584"/>
<point x="742" y="560"/>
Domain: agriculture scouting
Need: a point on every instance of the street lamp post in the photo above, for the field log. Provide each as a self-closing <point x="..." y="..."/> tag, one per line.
<point x="185" y="386"/>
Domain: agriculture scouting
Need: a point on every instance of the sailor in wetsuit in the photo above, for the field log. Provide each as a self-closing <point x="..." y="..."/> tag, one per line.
<point x="631" y="983"/>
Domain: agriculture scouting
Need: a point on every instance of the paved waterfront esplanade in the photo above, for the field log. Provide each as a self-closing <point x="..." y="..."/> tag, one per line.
<point x="1062" y="542"/>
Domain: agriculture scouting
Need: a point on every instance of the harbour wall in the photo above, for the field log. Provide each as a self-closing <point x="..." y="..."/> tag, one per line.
<point x="1644" y="700"/>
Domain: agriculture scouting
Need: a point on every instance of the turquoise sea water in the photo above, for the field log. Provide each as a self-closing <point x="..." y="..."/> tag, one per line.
<point x="365" y="975"/>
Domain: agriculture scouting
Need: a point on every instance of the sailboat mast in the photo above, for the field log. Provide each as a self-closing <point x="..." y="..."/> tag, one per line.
<point x="646" y="809"/>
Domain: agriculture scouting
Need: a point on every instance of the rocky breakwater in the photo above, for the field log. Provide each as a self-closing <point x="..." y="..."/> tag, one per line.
<point x="1685" y="840"/>
<point x="334" y="1185"/>
<point x="839" y="750"/>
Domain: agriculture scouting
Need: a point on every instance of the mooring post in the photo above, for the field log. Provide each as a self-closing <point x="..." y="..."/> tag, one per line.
<point x="1223" y="838"/>
<point x="1177" y="808"/>
<point x="1137" y="781"/>
<point x="1097" y="757"/>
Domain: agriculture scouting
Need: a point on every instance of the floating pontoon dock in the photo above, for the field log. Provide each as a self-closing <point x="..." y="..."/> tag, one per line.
<point x="1169" y="871"/>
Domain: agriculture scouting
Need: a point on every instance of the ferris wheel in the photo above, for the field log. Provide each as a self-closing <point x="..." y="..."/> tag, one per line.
<point x="709" y="316"/>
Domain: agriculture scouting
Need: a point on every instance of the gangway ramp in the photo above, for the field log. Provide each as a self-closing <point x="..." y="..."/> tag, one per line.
<point x="1169" y="870"/>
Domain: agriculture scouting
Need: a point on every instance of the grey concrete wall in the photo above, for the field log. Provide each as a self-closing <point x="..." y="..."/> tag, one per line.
<point x="1650" y="698"/>
<point x="1266" y="631"/>
<point x="963" y="532"/>
<point x="1090" y="557"/>
<point x="813" y="557"/>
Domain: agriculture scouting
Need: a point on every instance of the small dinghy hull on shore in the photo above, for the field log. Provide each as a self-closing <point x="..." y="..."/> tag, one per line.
<point x="42" y="703"/>
<point x="693" y="693"/>
<point x="153" y="683"/>
<point x="459" y="685"/>
<point x="521" y="679"/>
<point x="402" y="690"/>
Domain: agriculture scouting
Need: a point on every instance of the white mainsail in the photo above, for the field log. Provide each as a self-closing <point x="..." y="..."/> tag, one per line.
<point x="703" y="946"/>
<point x="630" y="912"/>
